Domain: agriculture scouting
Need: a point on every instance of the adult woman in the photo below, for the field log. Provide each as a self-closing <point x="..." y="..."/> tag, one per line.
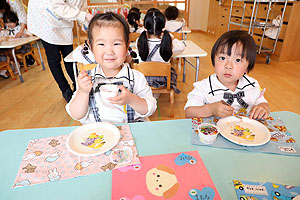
<point x="52" y="21"/>
<point x="17" y="7"/>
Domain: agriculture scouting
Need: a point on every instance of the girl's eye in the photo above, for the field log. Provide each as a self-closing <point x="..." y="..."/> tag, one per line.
<point x="222" y="58"/>
<point x="101" y="44"/>
<point x="238" y="60"/>
<point x="117" y="44"/>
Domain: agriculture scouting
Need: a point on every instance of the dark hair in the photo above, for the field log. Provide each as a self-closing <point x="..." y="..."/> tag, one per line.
<point x="10" y="17"/>
<point x="155" y="22"/>
<point x="108" y="19"/>
<point x="132" y="18"/>
<point x="152" y="10"/>
<point x="228" y="39"/>
<point x="135" y="9"/>
<point x="171" y="13"/>
<point x="4" y="5"/>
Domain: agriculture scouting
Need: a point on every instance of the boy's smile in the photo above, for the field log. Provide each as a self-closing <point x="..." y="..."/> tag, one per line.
<point x="230" y="69"/>
<point x="109" y="48"/>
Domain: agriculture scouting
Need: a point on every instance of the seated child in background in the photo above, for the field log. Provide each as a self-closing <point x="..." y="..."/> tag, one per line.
<point x="3" y="58"/>
<point x="154" y="44"/>
<point x="173" y="24"/>
<point x="11" y="23"/>
<point x="133" y="19"/>
<point x="108" y="35"/>
<point x="136" y="10"/>
<point x="233" y="56"/>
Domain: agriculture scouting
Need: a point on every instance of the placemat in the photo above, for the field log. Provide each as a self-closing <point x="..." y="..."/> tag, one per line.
<point x="48" y="160"/>
<point x="166" y="176"/>
<point x="281" y="141"/>
<point x="266" y="191"/>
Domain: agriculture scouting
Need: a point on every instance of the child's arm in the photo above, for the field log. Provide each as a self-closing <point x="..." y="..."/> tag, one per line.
<point x="260" y="111"/>
<point x="126" y="97"/>
<point x="79" y="105"/>
<point x="217" y="109"/>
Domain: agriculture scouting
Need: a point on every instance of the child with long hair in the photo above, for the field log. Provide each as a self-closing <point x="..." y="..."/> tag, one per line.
<point x="133" y="19"/>
<point x="229" y="89"/>
<point x="108" y="38"/>
<point x="156" y="44"/>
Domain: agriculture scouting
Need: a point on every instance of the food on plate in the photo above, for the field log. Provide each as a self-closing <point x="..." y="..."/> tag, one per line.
<point x="244" y="133"/>
<point x="94" y="141"/>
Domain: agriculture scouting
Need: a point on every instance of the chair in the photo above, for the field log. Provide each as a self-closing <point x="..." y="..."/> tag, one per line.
<point x="5" y="65"/>
<point x="133" y="36"/>
<point x="158" y="69"/>
<point x="22" y="56"/>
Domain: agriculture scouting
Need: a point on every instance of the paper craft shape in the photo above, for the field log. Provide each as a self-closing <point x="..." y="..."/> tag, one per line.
<point x="266" y="191"/>
<point x="281" y="141"/>
<point x="48" y="160"/>
<point x="167" y="176"/>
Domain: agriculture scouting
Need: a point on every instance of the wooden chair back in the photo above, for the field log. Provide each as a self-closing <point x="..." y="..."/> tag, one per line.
<point x="177" y="35"/>
<point x="158" y="69"/>
<point x="133" y="36"/>
<point x="5" y="65"/>
<point x="87" y="67"/>
<point x="22" y="56"/>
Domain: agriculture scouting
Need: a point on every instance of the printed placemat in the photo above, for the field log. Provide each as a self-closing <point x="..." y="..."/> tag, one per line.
<point x="166" y="176"/>
<point x="266" y="191"/>
<point x="281" y="141"/>
<point x="48" y="160"/>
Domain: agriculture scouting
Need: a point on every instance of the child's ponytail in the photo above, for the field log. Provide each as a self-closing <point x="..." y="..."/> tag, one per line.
<point x="142" y="46"/>
<point x="166" y="46"/>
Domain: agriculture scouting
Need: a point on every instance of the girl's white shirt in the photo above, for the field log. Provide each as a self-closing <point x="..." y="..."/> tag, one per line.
<point x="52" y="20"/>
<point x="177" y="47"/>
<point x="139" y="30"/>
<point x="114" y="113"/>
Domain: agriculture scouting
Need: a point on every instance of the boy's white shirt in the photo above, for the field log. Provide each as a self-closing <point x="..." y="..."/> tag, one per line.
<point x="205" y="93"/>
<point x="114" y="113"/>
<point x="174" y="25"/>
<point x="52" y="20"/>
<point x="177" y="47"/>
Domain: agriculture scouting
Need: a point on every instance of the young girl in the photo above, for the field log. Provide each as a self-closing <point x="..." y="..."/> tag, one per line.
<point x="133" y="19"/>
<point x="108" y="35"/>
<point x="156" y="44"/>
<point x="11" y="22"/>
<point x="173" y="24"/>
<point x="230" y="88"/>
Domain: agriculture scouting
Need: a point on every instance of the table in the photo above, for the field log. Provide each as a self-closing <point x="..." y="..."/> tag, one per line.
<point x="191" y="50"/>
<point x="185" y="30"/>
<point x="12" y="44"/>
<point x="152" y="138"/>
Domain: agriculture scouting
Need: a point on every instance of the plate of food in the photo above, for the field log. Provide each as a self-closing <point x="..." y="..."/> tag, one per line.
<point x="93" y="139"/>
<point x="244" y="131"/>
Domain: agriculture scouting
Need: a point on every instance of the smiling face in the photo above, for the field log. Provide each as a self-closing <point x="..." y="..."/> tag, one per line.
<point x="230" y="69"/>
<point x="109" y="47"/>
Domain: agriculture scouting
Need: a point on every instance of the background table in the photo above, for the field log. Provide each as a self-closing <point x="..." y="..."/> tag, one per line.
<point x="12" y="44"/>
<point x="152" y="138"/>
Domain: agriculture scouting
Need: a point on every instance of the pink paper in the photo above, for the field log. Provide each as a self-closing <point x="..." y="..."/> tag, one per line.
<point x="48" y="160"/>
<point x="168" y="176"/>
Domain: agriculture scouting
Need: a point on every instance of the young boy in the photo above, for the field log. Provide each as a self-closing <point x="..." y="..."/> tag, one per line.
<point x="230" y="88"/>
<point x="173" y="24"/>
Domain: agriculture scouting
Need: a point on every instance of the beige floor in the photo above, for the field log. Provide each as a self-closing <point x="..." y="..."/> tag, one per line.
<point x="37" y="103"/>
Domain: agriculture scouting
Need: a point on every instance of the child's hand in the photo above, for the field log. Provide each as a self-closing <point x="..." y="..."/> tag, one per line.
<point x="122" y="99"/>
<point x="260" y="111"/>
<point x="85" y="83"/>
<point x="220" y="109"/>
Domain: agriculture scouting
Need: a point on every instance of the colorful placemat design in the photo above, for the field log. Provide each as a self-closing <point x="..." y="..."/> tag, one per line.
<point x="265" y="191"/>
<point x="48" y="160"/>
<point x="167" y="176"/>
<point x="281" y="141"/>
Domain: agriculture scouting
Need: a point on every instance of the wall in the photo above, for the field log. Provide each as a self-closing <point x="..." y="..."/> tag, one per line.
<point x="198" y="14"/>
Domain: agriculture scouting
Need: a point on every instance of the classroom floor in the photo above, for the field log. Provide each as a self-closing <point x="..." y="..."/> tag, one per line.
<point x="38" y="103"/>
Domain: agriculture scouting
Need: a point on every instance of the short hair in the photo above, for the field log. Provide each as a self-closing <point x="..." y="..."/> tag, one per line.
<point x="108" y="19"/>
<point x="171" y="13"/>
<point x="10" y="17"/>
<point x="228" y="39"/>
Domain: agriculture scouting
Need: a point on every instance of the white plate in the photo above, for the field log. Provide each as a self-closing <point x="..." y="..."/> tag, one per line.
<point x="261" y="133"/>
<point x="110" y="136"/>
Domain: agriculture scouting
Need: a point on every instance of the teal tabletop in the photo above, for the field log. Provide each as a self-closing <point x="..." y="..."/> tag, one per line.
<point x="152" y="138"/>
